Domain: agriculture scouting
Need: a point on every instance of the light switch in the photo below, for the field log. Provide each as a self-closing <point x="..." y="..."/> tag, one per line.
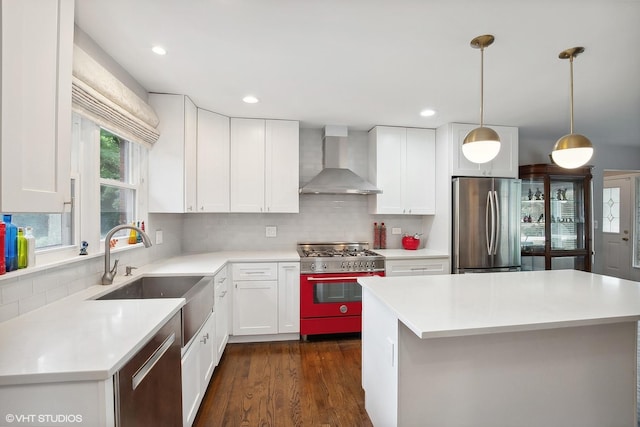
<point x="396" y="230"/>
<point x="158" y="237"/>
<point x="271" y="231"/>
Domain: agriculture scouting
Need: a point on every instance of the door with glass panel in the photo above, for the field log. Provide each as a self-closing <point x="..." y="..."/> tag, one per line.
<point x="616" y="227"/>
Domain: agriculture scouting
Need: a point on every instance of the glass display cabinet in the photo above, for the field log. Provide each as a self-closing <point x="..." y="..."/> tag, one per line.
<point x="555" y="224"/>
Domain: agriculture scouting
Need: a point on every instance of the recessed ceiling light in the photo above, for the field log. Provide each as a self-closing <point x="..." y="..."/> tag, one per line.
<point x="427" y="113"/>
<point x="250" y="99"/>
<point x="159" y="50"/>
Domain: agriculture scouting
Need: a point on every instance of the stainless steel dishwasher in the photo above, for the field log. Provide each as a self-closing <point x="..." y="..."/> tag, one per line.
<point x="149" y="387"/>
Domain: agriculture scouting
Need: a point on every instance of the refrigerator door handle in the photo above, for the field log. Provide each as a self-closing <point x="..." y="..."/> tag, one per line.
<point x="488" y="213"/>
<point x="496" y="224"/>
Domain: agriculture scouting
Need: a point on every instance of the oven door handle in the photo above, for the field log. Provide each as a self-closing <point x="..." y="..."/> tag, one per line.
<point x="325" y="279"/>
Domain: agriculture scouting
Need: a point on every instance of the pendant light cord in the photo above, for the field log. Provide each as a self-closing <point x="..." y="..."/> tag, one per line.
<point x="571" y="93"/>
<point x="481" y="86"/>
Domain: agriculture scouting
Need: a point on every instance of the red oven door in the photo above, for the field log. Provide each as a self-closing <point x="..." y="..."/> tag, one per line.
<point x="331" y="294"/>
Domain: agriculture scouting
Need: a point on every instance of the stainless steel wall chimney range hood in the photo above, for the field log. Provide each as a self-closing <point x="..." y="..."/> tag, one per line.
<point x="336" y="178"/>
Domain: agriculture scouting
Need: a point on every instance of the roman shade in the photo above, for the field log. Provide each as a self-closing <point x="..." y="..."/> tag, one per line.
<point x="99" y="95"/>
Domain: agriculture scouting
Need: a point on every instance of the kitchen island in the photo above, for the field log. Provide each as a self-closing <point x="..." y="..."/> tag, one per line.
<point x="545" y="348"/>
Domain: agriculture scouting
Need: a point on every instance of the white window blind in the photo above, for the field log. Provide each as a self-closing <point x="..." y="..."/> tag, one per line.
<point x="99" y="95"/>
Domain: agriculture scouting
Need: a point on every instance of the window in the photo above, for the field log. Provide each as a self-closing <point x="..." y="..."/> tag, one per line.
<point x="50" y="230"/>
<point x="118" y="189"/>
<point x="611" y="210"/>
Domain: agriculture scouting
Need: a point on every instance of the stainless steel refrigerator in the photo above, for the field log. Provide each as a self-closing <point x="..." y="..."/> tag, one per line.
<point x="486" y="225"/>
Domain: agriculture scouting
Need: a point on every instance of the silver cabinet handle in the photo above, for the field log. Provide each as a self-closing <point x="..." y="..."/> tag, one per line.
<point x="144" y="370"/>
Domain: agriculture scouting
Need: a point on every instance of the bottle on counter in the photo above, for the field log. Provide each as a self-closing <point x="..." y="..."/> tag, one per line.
<point x="3" y="266"/>
<point x="376" y="236"/>
<point x="138" y="236"/>
<point x="10" y="244"/>
<point x="133" y="238"/>
<point x="22" y="249"/>
<point x="383" y="236"/>
<point x="31" y="246"/>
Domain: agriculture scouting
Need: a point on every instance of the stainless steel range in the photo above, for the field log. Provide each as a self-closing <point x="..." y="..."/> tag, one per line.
<point x="338" y="257"/>
<point x="330" y="296"/>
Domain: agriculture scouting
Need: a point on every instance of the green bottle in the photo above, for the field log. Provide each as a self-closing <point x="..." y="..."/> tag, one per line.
<point x="22" y="249"/>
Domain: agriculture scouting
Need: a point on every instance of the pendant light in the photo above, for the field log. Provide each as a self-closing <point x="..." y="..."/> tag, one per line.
<point x="482" y="144"/>
<point x="573" y="150"/>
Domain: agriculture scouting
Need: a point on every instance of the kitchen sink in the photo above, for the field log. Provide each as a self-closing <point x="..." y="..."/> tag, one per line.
<point x="196" y="290"/>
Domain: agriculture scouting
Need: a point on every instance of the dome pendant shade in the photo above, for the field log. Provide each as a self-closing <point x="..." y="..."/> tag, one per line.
<point x="481" y="145"/>
<point x="572" y="151"/>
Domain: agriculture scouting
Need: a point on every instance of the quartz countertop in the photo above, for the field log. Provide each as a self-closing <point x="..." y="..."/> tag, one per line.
<point x="78" y="338"/>
<point x="474" y="304"/>
<point x="393" y="254"/>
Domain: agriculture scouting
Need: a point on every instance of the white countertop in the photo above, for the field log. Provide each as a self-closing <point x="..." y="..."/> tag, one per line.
<point x="78" y="338"/>
<point x="474" y="304"/>
<point x="393" y="254"/>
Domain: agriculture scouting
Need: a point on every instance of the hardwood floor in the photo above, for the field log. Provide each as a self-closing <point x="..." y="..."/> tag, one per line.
<point x="290" y="383"/>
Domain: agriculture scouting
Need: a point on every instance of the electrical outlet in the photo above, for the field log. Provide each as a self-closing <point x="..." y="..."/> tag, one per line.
<point x="158" y="237"/>
<point x="396" y="230"/>
<point x="271" y="231"/>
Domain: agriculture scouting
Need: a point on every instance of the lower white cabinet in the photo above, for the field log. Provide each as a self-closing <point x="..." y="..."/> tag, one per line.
<point x="417" y="266"/>
<point x="266" y="298"/>
<point x="288" y="297"/>
<point x="198" y="363"/>
<point x="222" y="303"/>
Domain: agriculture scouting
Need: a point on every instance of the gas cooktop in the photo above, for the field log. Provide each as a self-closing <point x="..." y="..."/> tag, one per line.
<point x="337" y="257"/>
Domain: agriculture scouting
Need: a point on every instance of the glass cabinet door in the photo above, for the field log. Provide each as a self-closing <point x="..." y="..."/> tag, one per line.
<point x="532" y="223"/>
<point x="567" y="214"/>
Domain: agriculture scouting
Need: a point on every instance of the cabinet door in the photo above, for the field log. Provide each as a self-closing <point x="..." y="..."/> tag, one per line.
<point x="420" y="172"/>
<point x="288" y="297"/>
<point x="191" y="383"/>
<point x="212" y="162"/>
<point x="168" y="157"/>
<point x="36" y="62"/>
<point x="208" y="351"/>
<point x="387" y="146"/>
<point x="282" y="180"/>
<point x="247" y="165"/>
<point x="255" y="307"/>
<point x="190" y="154"/>
<point x="505" y="165"/>
<point x="222" y="312"/>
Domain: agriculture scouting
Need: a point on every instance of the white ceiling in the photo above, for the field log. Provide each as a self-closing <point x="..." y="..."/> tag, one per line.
<point x="362" y="63"/>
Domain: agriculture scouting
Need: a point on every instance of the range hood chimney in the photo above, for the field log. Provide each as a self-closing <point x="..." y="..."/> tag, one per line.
<point x="336" y="178"/>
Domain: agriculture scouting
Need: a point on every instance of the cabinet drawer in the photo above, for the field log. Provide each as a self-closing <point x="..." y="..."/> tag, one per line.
<point x="417" y="267"/>
<point x="255" y="271"/>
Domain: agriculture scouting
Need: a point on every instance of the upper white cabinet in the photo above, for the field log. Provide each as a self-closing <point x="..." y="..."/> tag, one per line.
<point x="402" y="164"/>
<point x="505" y="165"/>
<point x="35" y="144"/>
<point x="189" y="164"/>
<point x="212" y="162"/>
<point x="172" y="160"/>
<point x="264" y="165"/>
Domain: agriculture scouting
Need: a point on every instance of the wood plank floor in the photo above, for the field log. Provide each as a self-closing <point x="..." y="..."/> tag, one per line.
<point x="291" y="383"/>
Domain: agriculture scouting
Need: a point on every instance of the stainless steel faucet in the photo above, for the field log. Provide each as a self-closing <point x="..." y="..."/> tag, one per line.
<point x="109" y="273"/>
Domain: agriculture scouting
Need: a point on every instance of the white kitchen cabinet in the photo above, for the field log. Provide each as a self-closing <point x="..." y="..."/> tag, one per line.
<point x="35" y="141"/>
<point x="402" y="164"/>
<point x="255" y="298"/>
<point x="222" y="306"/>
<point x="505" y="165"/>
<point x="264" y="165"/>
<point x="288" y="297"/>
<point x="198" y="364"/>
<point x="417" y="266"/>
<point x="172" y="160"/>
<point x="212" y="162"/>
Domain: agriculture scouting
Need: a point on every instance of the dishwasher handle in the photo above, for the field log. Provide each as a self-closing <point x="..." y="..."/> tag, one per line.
<point x="146" y="367"/>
